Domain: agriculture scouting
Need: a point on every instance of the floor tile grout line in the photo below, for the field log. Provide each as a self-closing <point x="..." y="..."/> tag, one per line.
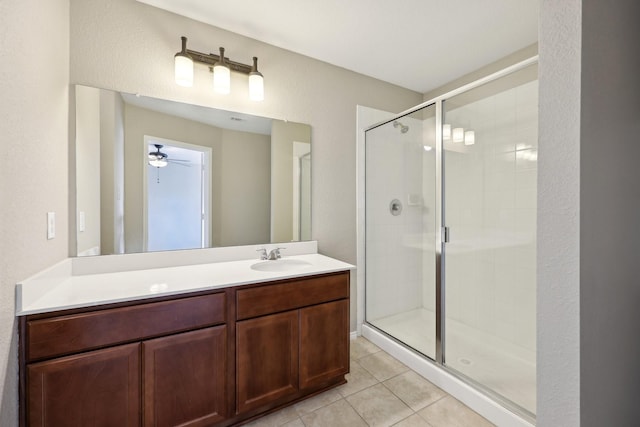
<point x="356" y="411"/>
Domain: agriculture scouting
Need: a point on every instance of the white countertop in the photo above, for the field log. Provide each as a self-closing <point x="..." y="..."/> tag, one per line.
<point x="62" y="291"/>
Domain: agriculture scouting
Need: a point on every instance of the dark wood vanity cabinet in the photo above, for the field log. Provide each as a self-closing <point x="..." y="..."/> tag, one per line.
<point x="267" y="367"/>
<point x="184" y="378"/>
<point x="292" y="339"/>
<point x="97" y="388"/>
<point x="154" y="364"/>
<point x="207" y="359"/>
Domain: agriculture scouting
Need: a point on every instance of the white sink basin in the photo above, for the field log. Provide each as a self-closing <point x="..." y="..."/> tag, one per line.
<point x="281" y="265"/>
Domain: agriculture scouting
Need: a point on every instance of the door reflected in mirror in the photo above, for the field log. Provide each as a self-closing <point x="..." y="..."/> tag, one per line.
<point x="155" y="175"/>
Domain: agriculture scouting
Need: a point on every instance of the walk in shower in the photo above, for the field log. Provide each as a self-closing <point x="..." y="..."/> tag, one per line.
<point x="450" y="233"/>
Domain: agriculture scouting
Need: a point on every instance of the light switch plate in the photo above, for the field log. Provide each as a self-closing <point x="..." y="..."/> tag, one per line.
<point x="81" y="221"/>
<point x="51" y="225"/>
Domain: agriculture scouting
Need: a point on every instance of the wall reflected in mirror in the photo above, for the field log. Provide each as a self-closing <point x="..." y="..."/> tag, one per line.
<point x="156" y="175"/>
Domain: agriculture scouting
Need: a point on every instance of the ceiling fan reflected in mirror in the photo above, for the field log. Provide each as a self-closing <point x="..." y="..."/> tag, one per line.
<point x="159" y="159"/>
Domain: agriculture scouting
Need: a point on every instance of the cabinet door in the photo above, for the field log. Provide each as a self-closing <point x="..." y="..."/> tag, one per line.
<point x="267" y="359"/>
<point x="324" y="343"/>
<point x="99" y="388"/>
<point x="184" y="378"/>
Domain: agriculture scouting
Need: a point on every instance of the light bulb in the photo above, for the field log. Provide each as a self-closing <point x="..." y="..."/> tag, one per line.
<point x="183" y="66"/>
<point x="469" y="137"/>
<point x="184" y="70"/>
<point x="221" y="79"/>
<point x="446" y="132"/>
<point x="458" y="134"/>
<point x="158" y="163"/>
<point x="221" y="75"/>
<point x="256" y="82"/>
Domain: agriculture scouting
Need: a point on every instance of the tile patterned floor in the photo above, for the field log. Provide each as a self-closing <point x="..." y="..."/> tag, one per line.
<point x="380" y="392"/>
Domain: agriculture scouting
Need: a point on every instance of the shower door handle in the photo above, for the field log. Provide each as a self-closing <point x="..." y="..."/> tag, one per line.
<point x="445" y="234"/>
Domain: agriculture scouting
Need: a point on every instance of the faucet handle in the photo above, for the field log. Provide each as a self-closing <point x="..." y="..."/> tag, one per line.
<point x="263" y="253"/>
<point x="275" y="253"/>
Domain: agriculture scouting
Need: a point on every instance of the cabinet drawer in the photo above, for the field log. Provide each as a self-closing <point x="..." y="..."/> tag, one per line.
<point x="79" y="332"/>
<point x="273" y="298"/>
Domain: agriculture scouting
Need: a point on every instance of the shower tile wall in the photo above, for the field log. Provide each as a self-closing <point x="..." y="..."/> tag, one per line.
<point x="491" y="209"/>
<point x="394" y="243"/>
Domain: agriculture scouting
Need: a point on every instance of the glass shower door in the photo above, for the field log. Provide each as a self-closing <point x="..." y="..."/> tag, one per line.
<point x="400" y="229"/>
<point x="490" y="169"/>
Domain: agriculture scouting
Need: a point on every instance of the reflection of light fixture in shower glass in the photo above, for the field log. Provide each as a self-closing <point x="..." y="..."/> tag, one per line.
<point x="446" y="132"/>
<point x="458" y="134"/>
<point x="427" y="148"/>
<point x="469" y="137"/>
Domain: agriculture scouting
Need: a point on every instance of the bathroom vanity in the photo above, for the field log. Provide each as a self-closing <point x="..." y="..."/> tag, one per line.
<point x="221" y="355"/>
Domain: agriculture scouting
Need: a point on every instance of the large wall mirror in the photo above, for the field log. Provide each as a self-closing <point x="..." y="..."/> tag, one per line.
<point x="156" y="175"/>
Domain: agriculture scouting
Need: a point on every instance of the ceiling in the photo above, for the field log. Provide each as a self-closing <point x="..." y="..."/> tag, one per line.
<point x="210" y="116"/>
<point x="416" y="44"/>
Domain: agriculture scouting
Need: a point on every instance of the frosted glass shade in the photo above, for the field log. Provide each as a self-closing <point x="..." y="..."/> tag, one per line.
<point x="446" y="132"/>
<point x="458" y="134"/>
<point x="221" y="79"/>
<point x="158" y="163"/>
<point x="183" y="70"/>
<point x="256" y="87"/>
<point x="469" y="137"/>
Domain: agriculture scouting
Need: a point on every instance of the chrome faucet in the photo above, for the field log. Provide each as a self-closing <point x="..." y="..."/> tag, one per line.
<point x="263" y="253"/>
<point x="274" y="254"/>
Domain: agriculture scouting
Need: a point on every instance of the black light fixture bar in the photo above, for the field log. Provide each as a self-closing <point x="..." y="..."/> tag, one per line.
<point x="210" y="59"/>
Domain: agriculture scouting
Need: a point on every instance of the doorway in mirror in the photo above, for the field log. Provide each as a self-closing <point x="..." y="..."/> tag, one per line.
<point x="177" y="193"/>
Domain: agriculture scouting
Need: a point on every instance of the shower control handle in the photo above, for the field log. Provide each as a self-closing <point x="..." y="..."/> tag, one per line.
<point x="395" y="207"/>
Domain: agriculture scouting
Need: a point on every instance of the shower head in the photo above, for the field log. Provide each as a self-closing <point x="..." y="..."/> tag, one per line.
<point x="403" y="128"/>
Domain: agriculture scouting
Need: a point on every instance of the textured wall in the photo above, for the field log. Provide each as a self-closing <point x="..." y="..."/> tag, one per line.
<point x="558" y="325"/>
<point x="609" y="214"/>
<point x="34" y="71"/>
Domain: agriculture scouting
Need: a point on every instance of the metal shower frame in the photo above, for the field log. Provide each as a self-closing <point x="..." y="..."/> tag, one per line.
<point x="441" y="228"/>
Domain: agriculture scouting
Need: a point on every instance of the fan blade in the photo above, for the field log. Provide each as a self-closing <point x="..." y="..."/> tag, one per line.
<point x="179" y="163"/>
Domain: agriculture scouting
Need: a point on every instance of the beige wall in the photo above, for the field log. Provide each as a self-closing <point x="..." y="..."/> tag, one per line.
<point x="283" y="134"/>
<point x="34" y="65"/>
<point x="243" y="206"/>
<point x="88" y="157"/>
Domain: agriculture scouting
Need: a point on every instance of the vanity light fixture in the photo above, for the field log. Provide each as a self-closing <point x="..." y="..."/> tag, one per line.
<point x="221" y="68"/>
